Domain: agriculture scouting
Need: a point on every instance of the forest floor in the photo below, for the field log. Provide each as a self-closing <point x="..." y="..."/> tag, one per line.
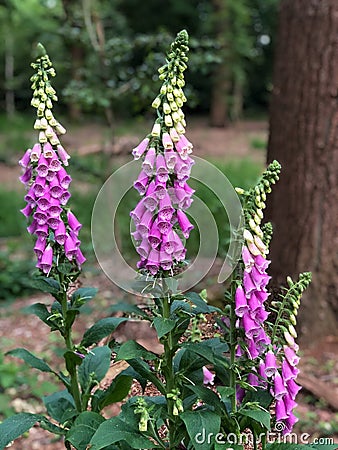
<point x="317" y="402"/>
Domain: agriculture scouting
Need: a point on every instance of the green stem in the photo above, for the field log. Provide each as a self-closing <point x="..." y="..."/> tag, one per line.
<point x="232" y="345"/>
<point x="168" y="373"/>
<point x="67" y="335"/>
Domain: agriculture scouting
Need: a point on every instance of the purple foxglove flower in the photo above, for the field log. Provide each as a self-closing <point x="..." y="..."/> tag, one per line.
<point x="63" y="155"/>
<point x="208" y="377"/>
<point x="74" y="224"/>
<point x="160" y="189"/>
<point x="54" y="209"/>
<point x="75" y="236"/>
<point x="39" y="247"/>
<point x="253" y="379"/>
<point x="167" y="142"/>
<point x="149" y="161"/>
<point x="152" y="263"/>
<point x="60" y="233"/>
<point x="154" y="236"/>
<point x="170" y="159"/>
<point x="261" y="370"/>
<point x="80" y="259"/>
<point x="251" y="328"/>
<point x="279" y="388"/>
<point x="183" y="148"/>
<point x="43" y="203"/>
<point x="280" y="410"/>
<point x="53" y="222"/>
<point x="144" y="248"/>
<point x="54" y="164"/>
<point x="40" y="230"/>
<point x="261" y="314"/>
<point x="184" y="223"/>
<point x="291" y="356"/>
<point x="70" y="248"/>
<point x="43" y="166"/>
<point x="270" y="364"/>
<point x="136" y="237"/>
<point x="48" y="150"/>
<point x="25" y="160"/>
<point x="289" y="372"/>
<point x="166" y="210"/>
<point x="178" y="194"/>
<point x="33" y="227"/>
<point x="150" y="200"/>
<point x="50" y="175"/>
<point x="249" y="285"/>
<point x="140" y="264"/>
<point x="138" y="151"/>
<point x="253" y="349"/>
<point x="138" y="212"/>
<point x="27" y="210"/>
<point x="30" y="196"/>
<point x="239" y="351"/>
<point x="55" y="189"/>
<point x="240" y="394"/>
<point x="36" y="152"/>
<point x="165" y="260"/>
<point x="293" y="388"/>
<point x="145" y="223"/>
<point x="163" y="225"/>
<point x="40" y="216"/>
<point x="261" y="263"/>
<point x="39" y="186"/>
<point x="261" y="296"/>
<point x="141" y="183"/>
<point x="179" y="252"/>
<point x="171" y="241"/>
<point x="26" y="176"/>
<point x="263" y="339"/>
<point x="247" y="259"/>
<point x="241" y="302"/>
<point x="260" y="280"/>
<point x="289" y="404"/>
<point x="253" y="302"/>
<point x="64" y="178"/>
<point x="290" y="422"/>
<point x="46" y="261"/>
<point x="161" y="169"/>
<point x="64" y="197"/>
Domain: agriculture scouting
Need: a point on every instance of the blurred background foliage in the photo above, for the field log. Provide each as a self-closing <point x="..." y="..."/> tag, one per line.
<point x="106" y="52"/>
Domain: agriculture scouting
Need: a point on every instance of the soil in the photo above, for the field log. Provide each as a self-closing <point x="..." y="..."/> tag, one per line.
<point x="319" y="362"/>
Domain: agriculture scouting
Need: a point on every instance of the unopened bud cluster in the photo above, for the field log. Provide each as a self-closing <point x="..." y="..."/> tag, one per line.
<point x="47" y="182"/>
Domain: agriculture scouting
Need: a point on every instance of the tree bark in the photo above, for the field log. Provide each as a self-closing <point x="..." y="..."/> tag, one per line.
<point x="304" y="138"/>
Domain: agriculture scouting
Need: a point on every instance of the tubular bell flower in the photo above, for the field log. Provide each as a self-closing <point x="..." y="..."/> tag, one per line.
<point x="47" y="180"/>
<point x="158" y="217"/>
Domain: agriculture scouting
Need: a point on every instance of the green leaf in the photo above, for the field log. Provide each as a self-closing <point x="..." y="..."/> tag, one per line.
<point x="130" y="309"/>
<point x="83" y="429"/>
<point x="143" y="369"/>
<point x="116" y="430"/>
<point x="70" y="317"/>
<point x="51" y="427"/>
<point x="46" y="284"/>
<point x="40" y="310"/>
<point x="60" y="406"/>
<point x="207" y="349"/>
<point x="260" y="396"/>
<point x="116" y="392"/>
<point x="101" y="329"/>
<point x="30" y="359"/>
<point x="201" y="304"/>
<point x="131" y="350"/>
<point x="94" y="366"/>
<point x="259" y="415"/>
<point x="15" y="426"/>
<point x="163" y="326"/>
<point x="209" y="398"/>
<point x="199" y="425"/>
<point x="82" y="296"/>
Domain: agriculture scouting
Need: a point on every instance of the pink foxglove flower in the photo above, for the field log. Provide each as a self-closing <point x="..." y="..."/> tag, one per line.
<point x="208" y="377"/>
<point x="47" y="181"/>
<point x="166" y="166"/>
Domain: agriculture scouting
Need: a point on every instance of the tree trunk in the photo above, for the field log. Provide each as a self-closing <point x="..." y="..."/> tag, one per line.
<point x="304" y="138"/>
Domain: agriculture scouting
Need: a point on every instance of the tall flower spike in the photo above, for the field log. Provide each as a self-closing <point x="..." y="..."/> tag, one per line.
<point x="159" y="218"/>
<point x="46" y="179"/>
